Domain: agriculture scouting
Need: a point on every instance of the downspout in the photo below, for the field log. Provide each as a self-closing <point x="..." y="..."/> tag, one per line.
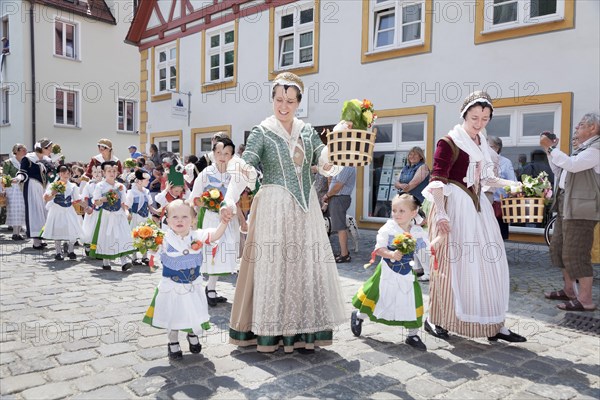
<point x="33" y="94"/>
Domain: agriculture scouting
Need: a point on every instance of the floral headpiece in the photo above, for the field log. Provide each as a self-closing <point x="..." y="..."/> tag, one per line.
<point x="475" y="97"/>
<point x="289" y="79"/>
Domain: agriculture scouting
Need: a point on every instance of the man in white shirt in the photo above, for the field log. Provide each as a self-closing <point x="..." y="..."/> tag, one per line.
<point x="578" y="200"/>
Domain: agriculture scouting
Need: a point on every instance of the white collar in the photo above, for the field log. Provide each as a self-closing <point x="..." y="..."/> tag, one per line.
<point x="476" y="153"/>
<point x="14" y="161"/>
<point x="100" y="158"/>
<point x="291" y="139"/>
<point x="182" y="245"/>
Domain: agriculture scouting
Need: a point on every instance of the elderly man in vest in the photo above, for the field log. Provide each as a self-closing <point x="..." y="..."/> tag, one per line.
<point x="577" y="201"/>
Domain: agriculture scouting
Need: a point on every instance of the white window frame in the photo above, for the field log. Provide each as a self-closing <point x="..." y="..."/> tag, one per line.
<point x="396" y="145"/>
<point x="76" y="104"/>
<point x="397" y="7"/>
<point x="76" y="39"/>
<point x="220" y="50"/>
<point x="167" y="64"/>
<point x="135" y="117"/>
<point x="523" y="18"/>
<point x="294" y="32"/>
<point x="4" y="106"/>
<point x="516" y="137"/>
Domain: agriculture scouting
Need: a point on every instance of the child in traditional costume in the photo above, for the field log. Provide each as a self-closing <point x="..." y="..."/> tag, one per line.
<point x="90" y="211"/>
<point x="175" y="188"/>
<point x="139" y="202"/>
<point x="392" y="296"/>
<point x="111" y="239"/>
<point x="62" y="223"/>
<point x="209" y="191"/>
<point x="179" y="302"/>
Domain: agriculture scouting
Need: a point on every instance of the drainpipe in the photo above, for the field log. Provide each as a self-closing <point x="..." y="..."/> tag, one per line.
<point x="33" y="94"/>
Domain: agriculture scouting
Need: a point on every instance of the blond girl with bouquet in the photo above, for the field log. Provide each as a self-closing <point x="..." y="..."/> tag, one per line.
<point x="392" y="295"/>
<point x="62" y="223"/>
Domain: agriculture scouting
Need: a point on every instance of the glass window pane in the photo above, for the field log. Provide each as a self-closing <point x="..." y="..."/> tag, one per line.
<point x="214" y="40"/>
<point x="229" y="37"/>
<point x="536" y="123"/>
<point x="58" y="38"/>
<point x="306" y="16"/>
<point x="173" y="83"/>
<point x="306" y="55"/>
<point x="214" y="60"/>
<point x="411" y="13"/>
<point x="214" y="74"/>
<point x="412" y="131"/>
<point x="384" y="133"/>
<point x="70" y="108"/>
<point x="385" y="38"/>
<point x="505" y="13"/>
<point x="542" y="7"/>
<point x="130" y="116"/>
<point x="162" y="85"/>
<point x="173" y="71"/>
<point x="288" y="44"/>
<point x="228" y="71"/>
<point x="205" y="144"/>
<point x="287" y="59"/>
<point x="120" y="119"/>
<point x="411" y="32"/>
<point x="162" y="56"/>
<point x="387" y="22"/>
<point x="173" y="53"/>
<point x="60" y="105"/>
<point x="175" y="146"/>
<point x="287" y="21"/>
<point x="306" y="39"/>
<point x="162" y="73"/>
<point x="379" y="205"/>
<point x="499" y="126"/>
<point x="162" y="147"/>
<point x="70" y="41"/>
<point x="229" y="57"/>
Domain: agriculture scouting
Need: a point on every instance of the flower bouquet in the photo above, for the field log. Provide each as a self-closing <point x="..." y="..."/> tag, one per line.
<point x="111" y="197"/>
<point x="56" y="149"/>
<point x="6" y="181"/>
<point x="361" y="114"/>
<point x="58" y="187"/>
<point x="147" y="237"/>
<point x="212" y="199"/>
<point x="525" y="203"/>
<point x="129" y="163"/>
<point x="403" y="242"/>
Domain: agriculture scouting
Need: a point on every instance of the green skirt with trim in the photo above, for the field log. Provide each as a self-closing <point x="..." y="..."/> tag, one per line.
<point x="272" y="343"/>
<point x="367" y="296"/>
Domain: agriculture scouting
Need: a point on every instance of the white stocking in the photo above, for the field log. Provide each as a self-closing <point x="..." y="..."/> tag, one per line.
<point x="212" y="284"/>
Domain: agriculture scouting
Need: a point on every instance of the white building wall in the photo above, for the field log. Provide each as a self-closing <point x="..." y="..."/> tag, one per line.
<point x="107" y="69"/>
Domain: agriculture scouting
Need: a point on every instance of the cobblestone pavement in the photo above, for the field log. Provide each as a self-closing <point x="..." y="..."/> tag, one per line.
<point x="70" y="329"/>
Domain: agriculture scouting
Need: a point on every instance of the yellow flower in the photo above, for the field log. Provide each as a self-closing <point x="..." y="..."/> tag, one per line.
<point x="93" y="247"/>
<point x="214" y="193"/>
<point x="368" y="117"/>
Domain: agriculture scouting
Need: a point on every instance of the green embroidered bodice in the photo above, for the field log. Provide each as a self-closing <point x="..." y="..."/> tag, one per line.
<point x="271" y="152"/>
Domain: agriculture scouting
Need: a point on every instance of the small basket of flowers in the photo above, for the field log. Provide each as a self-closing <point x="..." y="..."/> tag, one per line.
<point x="525" y="204"/>
<point x="354" y="147"/>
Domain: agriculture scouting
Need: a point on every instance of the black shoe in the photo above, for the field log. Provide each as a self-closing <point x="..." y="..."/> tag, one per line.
<point x="355" y="324"/>
<point x="212" y="301"/>
<point x="436" y="331"/>
<point x="175" y="355"/>
<point x="305" y="351"/>
<point x="511" y="337"/>
<point x="106" y="267"/>
<point x="17" y="237"/>
<point x="194" y="348"/>
<point x="59" y="257"/>
<point x="126" y="266"/>
<point x="40" y="247"/>
<point x="343" y="259"/>
<point x="146" y="261"/>
<point x="137" y="261"/>
<point x="44" y="245"/>
<point x="415" y="341"/>
<point x="72" y="256"/>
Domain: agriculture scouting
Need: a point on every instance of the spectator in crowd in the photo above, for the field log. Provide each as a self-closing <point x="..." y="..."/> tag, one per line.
<point x="415" y="174"/>
<point x="338" y="197"/>
<point x="209" y="158"/>
<point x="539" y="162"/>
<point x="505" y="171"/>
<point x="577" y="202"/>
<point x="522" y="160"/>
<point x="154" y="156"/>
<point x="133" y="153"/>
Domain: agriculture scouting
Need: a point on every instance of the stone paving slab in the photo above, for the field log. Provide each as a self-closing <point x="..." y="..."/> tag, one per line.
<point x="70" y="329"/>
